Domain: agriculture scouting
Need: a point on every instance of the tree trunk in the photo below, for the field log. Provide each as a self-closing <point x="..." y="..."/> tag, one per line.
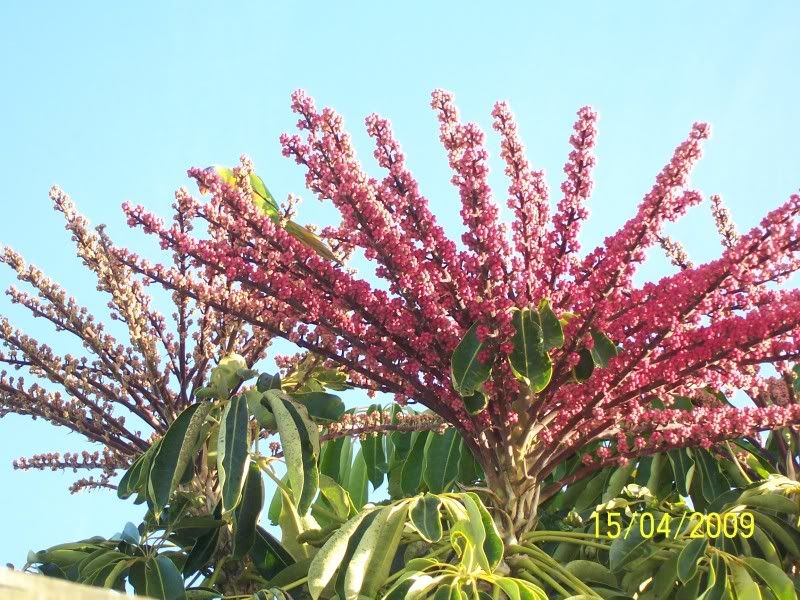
<point x="514" y="497"/>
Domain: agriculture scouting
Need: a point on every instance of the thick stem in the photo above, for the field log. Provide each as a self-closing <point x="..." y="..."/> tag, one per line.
<point x="515" y="495"/>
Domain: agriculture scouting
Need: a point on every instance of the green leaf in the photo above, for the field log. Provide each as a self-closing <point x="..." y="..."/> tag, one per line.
<point x="617" y="481"/>
<point x="369" y="565"/>
<point x="492" y="543"/>
<point x="777" y="581"/>
<point x="681" y="402"/>
<point x="352" y="544"/>
<point x="266" y="382"/>
<point x="442" y="454"/>
<point x="469" y="470"/>
<point x="335" y="498"/>
<point x="177" y="449"/>
<point x="143" y="476"/>
<point x="257" y="407"/>
<point x="426" y="518"/>
<point x="411" y="476"/>
<point x="346" y="462"/>
<point x="64" y="559"/>
<point x="400" y="441"/>
<point x="76" y="570"/>
<point x="310" y="239"/>
<point x="690" y="589"/>
<point x="626" y="549"/>
<point x="195" y="526"/>
<point x="321" y="406"/>
<point x="118" y="571"/>
<point x="479" y="546"/>
<point x="525" y="590"/>
<point x="592" y="491"/>
<point x="130" y="534"/>
<point x="689" y="557"/>
<point x="766" y="547"/>
<point x="163" y="580"/>
<point x="203" y="549"/>
<point x="129" y="481"/>
<point x="137" y="578"/>
<point x="318" y="537"/>
<point x="336" y="458"/>
<point x="268" y="555"/>
<point x="101" y="565"/>
<point x="476" y="402"/>
<point x="414" y="586"/>
<point x="357" y="481"/>
<point x="772" y="501"/>
<point x="446" y="593"/>
<point x="717" y="589"/>
<point x="331" y="379"/>
<point x="551" y="327"/>
<point x="743" y="585"/>
<point x="713" y="483"/>
<point x="466" y="370"/>
<point x="291" y="574"/>
<point x="394" y="475"/>
<point x="583" y="370"/>
<point x="529" y="360"/>
<point x="659" y="470"/>
<point x="245" y="516"/>
<point x="603" y="349"/>
<point x="374" y="454"/>
<point x="399" y="444"/>
<point x="274" y="510"/>
<point x="591" y="572"/>
<point x="232" y="456"/>
<point x="293" y="526"/>
<point x="331" y="556"/>
<point x="664" y="581"/>
<point x="682" y="468"/>
<point x="779" y="531"/>
<point x="300" y="441"/>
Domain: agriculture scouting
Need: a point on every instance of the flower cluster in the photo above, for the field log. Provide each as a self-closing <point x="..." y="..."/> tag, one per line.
<point x="379" y="421"/>
<point x="118" y="393"/>
<point x="107" y="462"/>
<point x="708" y="325"/>
<point x="363" y="425"/>
<point x="675" y="252"/>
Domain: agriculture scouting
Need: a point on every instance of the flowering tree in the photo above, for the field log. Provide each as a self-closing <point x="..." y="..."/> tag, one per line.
<point x="534" y="353"/>
<point x="555" y="391"/>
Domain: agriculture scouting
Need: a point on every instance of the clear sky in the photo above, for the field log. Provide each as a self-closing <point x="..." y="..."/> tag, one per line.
<point x="114" y="102"/>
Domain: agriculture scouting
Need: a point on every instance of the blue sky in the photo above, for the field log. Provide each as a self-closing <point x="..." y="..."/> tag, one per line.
<point x="114" y="102"/>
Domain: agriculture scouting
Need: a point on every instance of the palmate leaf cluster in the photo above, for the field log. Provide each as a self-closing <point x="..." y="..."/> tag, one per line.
<point x="438" y="532"/>
<point x="537" y="331"/>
